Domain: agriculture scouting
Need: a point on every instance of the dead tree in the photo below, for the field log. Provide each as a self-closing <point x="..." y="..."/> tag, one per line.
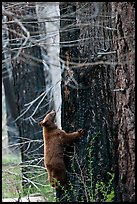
<point x="87" y="101"/>
<point x="29" y="85"/>
<point x="12" y="130"/>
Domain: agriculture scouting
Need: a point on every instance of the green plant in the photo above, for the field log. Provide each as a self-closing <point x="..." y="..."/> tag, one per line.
<point x="90" y="150"/>
<point x="106" y="189"/>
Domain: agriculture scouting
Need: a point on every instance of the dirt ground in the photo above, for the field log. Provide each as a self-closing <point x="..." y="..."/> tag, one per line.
<point x="31" y="198"/>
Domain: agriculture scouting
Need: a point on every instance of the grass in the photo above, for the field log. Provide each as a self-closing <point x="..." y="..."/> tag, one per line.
<point x="9" y="158"/>
<point x="12" y="180"/>
<point x="11" y="176"/>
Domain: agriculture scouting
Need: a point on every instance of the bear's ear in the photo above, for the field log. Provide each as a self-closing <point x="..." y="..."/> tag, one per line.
<point x="40" y="123"/>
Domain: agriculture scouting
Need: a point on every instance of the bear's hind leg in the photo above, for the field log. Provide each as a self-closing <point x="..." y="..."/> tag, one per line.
<point x="58" y="177"/>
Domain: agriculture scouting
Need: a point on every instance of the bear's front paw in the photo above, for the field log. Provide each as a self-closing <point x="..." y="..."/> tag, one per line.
<point x="81" y="132"/>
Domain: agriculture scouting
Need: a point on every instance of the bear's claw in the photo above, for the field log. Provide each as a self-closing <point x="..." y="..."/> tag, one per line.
<point x="81" y="131"/>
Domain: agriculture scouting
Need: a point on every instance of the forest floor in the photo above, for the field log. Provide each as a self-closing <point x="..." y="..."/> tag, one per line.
<point x="12" y="184"/>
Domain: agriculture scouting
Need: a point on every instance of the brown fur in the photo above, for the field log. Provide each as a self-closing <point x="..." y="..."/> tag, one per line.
<point x="54" y="141"/>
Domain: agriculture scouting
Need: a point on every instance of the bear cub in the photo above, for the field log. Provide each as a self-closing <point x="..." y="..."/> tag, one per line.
<point x="54" y="141"/>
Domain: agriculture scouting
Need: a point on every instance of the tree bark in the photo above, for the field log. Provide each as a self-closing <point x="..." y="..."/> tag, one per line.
<point x="124" y="44"/>
<point x="87" y="100"/>
<point x="68" y="53"/>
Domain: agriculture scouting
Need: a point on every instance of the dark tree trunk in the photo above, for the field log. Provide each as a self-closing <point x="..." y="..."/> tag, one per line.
<point x="88" y="104"/>
<point x="124" y="41"/>
<point x="29" y="83"/>
<point x="69" y="53"/>
<point x="94" y="19"/>
<point x="11" y="115"/>
<point x="12" y="129"/>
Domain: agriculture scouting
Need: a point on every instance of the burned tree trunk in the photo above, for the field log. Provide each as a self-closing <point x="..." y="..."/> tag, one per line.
<point x="87" y="101"/>
<point x="69" y="53"/>
<point x="97" y="49"/>
<point x="11" y="115"/>
<point x="29" y="83"/>
<point x="124" y="41"/>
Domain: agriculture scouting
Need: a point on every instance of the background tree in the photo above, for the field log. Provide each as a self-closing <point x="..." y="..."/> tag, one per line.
<point x="29" y="85"/>
<point x="49" y="21"/>
<point x="12" y="130"/>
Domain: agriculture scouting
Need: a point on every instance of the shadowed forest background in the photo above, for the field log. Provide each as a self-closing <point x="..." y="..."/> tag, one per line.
<point x="77" y="58"/>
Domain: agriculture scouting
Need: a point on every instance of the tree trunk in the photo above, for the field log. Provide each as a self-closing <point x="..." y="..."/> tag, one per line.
<point x="87" y="100"/>
<point x="29" y="83"/>
<point x="12" y="129"/>
<point x="69" y="33"/>
<point x="124" y="44"/>
<point x="48" y="18"/>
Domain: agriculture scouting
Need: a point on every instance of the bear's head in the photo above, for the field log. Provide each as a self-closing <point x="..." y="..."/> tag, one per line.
<point x="48" y="120"/>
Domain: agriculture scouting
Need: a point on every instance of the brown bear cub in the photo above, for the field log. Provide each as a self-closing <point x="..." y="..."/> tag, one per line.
<point x="54" y="141"/>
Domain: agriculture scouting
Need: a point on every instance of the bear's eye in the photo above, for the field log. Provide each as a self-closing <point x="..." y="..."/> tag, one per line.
<point x="45" y="123"/>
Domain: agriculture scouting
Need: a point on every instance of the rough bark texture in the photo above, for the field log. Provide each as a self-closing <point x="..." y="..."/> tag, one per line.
<point x="124" y="42"/>
<point x="98" y="117"/>
<point x="89" y="103"/>
<point x="68" y="53"/>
